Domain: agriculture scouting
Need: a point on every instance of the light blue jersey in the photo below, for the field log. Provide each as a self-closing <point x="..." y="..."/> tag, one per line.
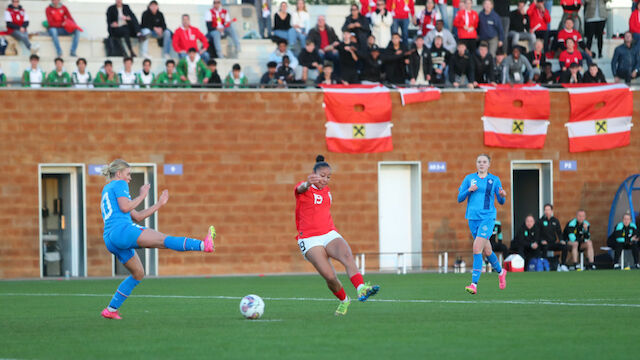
<point x="480" y="205"/>
<point x="111" y="214"/>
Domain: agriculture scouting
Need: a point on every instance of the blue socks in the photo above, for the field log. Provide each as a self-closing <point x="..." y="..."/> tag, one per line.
<point x="183" y="244"/>
<point x="493" y="259"/>
<point x="123" y="292"/>
<point x="477" y="268"/>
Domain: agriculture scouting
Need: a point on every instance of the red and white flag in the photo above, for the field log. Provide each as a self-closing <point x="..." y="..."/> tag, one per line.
<point x="600" y="117"/>
<point x="416" y="95"/>
<point x="358" y="118"/>
<point x="516" y="117"/>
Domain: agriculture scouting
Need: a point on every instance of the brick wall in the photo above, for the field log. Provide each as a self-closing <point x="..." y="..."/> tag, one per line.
<point x="243" y="152"/>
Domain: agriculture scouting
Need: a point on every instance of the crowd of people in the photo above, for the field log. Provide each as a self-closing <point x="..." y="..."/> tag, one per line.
<point x="492" y="46"/>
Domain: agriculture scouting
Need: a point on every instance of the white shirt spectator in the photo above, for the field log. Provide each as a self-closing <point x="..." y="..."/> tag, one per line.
<point x="276" y="56"/>
<point x="146" y="79"/>
<point x="381" y="28"/>
<point x="301" y="18"/>
<point x="127" y="80"/>
<point x="35" y="77"/>
<point x="81" y="81"/>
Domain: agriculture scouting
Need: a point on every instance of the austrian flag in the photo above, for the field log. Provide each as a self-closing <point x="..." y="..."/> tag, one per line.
<point x="358" y="119"/>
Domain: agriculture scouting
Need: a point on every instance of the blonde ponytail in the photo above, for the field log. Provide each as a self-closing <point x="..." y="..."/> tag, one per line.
<point x="116" y="165"/>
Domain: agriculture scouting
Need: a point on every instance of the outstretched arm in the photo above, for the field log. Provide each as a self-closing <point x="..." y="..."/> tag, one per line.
<point x="138" y="216"/>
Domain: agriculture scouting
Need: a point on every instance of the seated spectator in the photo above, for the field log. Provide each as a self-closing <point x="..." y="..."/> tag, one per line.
<point x="570" y="56"/>
<point x="58" y="77"/>
<point x="402" y="11"/>
<point x="426" y="21"/>
<point x="466" y="23"/>
<point x="300" y="22"/>
<point x="309" y="60"/>
<point x="357" y="24"/>
<point x="348" y="51"/>
<point x="462" y="67"/>
<point x="153" y="25"/>
<point x="285" y="74"/>
<point x="490" y="27"/>
<point x="327" y="77"/>
<point x="515" y="67"/>
<point x="624" y="236"/>
<point x="263" y="11"/>
<point x="186" y="37"/>
<point x="484" y="64"/>
<point x="577" y="234"/>
<point x="236" y="78"/>
<point x="325" y="39"/>
<point x="498" y="66"/>
<point x="61" y="23"/>
<point x="126" y="77"/>
<point x="625" y="63"/>
<point x="539" y="18"/>
<point x="537" y="59"/>
<point x="419" y="63"/>
<point x="280" y="52"/>
<point x="634" y="26"/>
<point x="282" y="25"/>
<point x="371" y="63"/>
<point x="526" y="242"/>
<point x="145" y="78"/>
<point x="440" y="58"/>
<point x="448" y="41"/>
<point x="269" y="79"/>
<point x="122" y="24"/>
<point x="81" y="78"/>
<point x="571" y="10"/>
<point x="593" y="75"/>
<point x="17" y="21"/>
<point x="548" y="77"/>
<point x="106" y="76"/>
<point x="214" y="80"/>
<point x="381" y="21"/>
<point x="551" y="236"/>
<point x="569" y="32"/>
<point x="192" y="69"/>
<point x="34" y="76"/>
<point x="394" y="61"/>
<point x="496" y="239"/>
<point x="219" y="25"/>
<point x="519" y="26"/>
<point x="169" y="77"/>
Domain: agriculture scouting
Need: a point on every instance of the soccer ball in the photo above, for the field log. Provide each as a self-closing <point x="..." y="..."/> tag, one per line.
<point x="252" y="307"/>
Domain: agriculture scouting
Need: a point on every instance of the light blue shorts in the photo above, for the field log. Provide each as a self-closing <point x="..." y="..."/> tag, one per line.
<point x="123" y="240"/>
<point x="482" y="228"/>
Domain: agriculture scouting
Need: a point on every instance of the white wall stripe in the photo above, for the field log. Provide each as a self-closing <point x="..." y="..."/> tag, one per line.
<point x="377" y="89"/>
<point x="588" y="127"/>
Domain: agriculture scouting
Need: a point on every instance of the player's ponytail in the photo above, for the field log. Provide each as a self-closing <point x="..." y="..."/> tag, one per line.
<point x="320" y="163"/>
<point x="116" y="165"/>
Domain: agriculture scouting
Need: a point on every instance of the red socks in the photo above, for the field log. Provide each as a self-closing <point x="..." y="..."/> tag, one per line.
<point x="341" y="295"/>
<point x="357" y="280"/>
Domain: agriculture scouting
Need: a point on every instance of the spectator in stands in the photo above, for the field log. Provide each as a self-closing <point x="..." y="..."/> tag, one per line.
<point x="357" y="24"/>
<point x="169" y="77"/>
<point x="282" y="25"/>
<point x="348" y="52"/>
<point x="122" y="24"/>
<point x="3" y="79"/>
<point x="214" y="80"/>
<point x="634" y="26"/>
<point x="281" y="51"/>
<point x="466" y="22"/>
<point x="372" y="65"/>
<point x="269" y="79"/>
<point x="126" y="77"/>
<point x="325" y="39"/>
<point x="515" y="67"/>
<point x="187" y="36"/>
<point x="593" y="75"/>
<point x="394" y="61"/>
<point x="444" y="13"/>
<point x="520" y="26"/>
<point x="145" y="78"/>
<point x="263" y="11"/>
<point x="106" y="76"/>
<point x="219" y="25"/>
<point x="570" y="56"/>
<point x="547" y="77"/>
<point x="419" y="63"/>
<point x="381" y="21"/>
<point x="569" y="32"/>
<point x="624" y="236"/>
<point x="526" y="242"/>
<point x="595" y="17"/>
<point x="153" y="25"/>
<point x="496" y="238"/>
<point x="484" y="66"/>
<point x="461" y="67"/>
<point x="625" y="63"/>
<point x="440" y="58"/>
<point x="498" y="66"/>
<point x="448" y="41"/>
<point x="300" y="21"/>
<point x="192" y="69"/>
<point x="539" y="20"/>
<point x="426" y="21"/>
<point x="285" y="74"/>
<point x="61" y="23"/>
<point x="327" y="77"/>
<point x="501" y="7"/>
<point x="367" y="7"/>
<point x="236" y="78"/>
<point x="17" y="21"/>
<point x="551" y="236"/>
<point x="81" y="78"/>
<point x="34" y="76"/>
<point x="490" y="27"/>
<point x="402" y="11"/>
<point x="309" y="60"/>
<point x="58" y="77"/>
<point x="571" y="10"/>
<point x="577" y="234"/>
<point x="537" y="59"/>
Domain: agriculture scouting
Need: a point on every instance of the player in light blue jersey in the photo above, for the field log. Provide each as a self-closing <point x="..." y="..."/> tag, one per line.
<point x="122" y="236"/>
<point x="480" y="189"/>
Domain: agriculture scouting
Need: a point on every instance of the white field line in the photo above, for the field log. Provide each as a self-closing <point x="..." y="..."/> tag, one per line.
<point x="406" y="301"/>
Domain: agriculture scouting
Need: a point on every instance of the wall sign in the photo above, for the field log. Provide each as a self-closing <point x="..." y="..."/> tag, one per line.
<point x="437" y="166"/>
<point x="173" y="169"/>
<point x="568" y="165"/>
<point x="96" y="169"/>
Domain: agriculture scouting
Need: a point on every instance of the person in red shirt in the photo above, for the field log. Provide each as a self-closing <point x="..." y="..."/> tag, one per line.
<point x="318" y="239"/>
<point x="570" y="56"/>
<point x="568" y="32"/>
<point x="219" y="25"/>
<point x="634" y="26"/>
<point x="538" y="19"/>
<point x="61" y="23"/>
<point x="17" y="22"/>
<point x="427" y="19"/>
<point x="402" y="11"/>
<point x="367" y="7"/>
<point x="466" y="22"/>
<point x="186" y="37"/>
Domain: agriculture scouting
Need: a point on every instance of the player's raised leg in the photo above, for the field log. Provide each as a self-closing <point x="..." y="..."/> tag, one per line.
<point x="154" y="239"/>
<point x="339" y="249"/>
<point x="318" y="257"/>
<point x="134" y="265"/>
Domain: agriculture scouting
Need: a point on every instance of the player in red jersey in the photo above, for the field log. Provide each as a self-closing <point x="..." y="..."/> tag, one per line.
<point x="318" y="239"/>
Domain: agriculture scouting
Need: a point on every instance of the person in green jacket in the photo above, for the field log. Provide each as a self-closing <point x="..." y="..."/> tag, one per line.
<point x="34" y="76"/>
<point x="58" y="77"/>
<point x="106" y="77"/>
<point x="170" y="77"/>
<point x="236" y="78"/>
<point x="192" y="69"/>
<point x="3" y="79"/>
<point x="624" y="236"/>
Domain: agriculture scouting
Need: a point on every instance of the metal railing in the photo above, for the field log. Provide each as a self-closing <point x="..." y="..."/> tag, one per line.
<point x="403" y="260"/>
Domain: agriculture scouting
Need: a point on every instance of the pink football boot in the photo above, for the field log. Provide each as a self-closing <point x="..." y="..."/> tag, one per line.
<point x="110" y="315"/>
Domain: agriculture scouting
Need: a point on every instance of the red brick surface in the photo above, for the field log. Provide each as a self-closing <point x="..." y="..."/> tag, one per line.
<point x="242" y="153"/>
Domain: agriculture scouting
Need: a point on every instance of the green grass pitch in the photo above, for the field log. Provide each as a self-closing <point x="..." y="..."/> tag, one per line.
<point x="577" y="315"/>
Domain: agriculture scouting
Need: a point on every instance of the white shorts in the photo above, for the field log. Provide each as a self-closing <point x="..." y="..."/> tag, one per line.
<point x="320" y="240"/>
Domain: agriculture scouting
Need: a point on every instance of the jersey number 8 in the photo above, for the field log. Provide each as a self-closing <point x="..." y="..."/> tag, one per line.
<point x="105" y="205"/>
<point x="302" y="247"/>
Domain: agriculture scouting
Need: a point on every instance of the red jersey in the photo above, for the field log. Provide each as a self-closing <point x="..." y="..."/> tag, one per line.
<point x="367" y="7"/>
<point x="466" y="18"/>
<point x="427" y="21"/>
<point x="401" y="9"/>
<point x="565" y="34"/>
<point x="218" y="18"/>
<point x="313" y="212"/>
<point x="183" y="39"/>
<point x="634" y="22"/>
<point x="16" y="16"/>
<point x="566" y="58"/>
<point x="538" y="19"/>
<point x="57" y="16"/>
